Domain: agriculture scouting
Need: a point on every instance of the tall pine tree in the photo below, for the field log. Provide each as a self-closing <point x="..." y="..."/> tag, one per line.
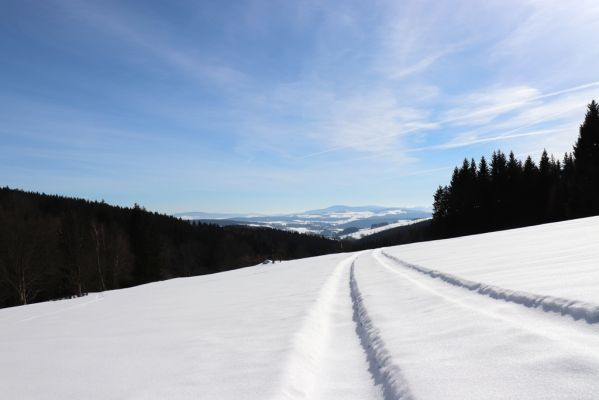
<point x="586" y="162"/>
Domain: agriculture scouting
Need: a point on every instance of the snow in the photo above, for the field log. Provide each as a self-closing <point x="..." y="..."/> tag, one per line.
<point x="309" y="216"/>
<point x="300" y="230"/>
<point x="554" y="259"/>
<point x="370" y="231"/>
<point x="506" y="315"/>
<point x="349" y="216"/>
<point x="393" y="212"/>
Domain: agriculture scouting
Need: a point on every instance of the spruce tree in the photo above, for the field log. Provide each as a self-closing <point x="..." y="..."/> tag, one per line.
<point x="440" y="203"/>
<point x="568" y="187"/>
<point x="483" y="170"/>
<point x="483" y="194"/>
<point x="544" y="164"/>
<point x="508" y="193"/>
<point x="530" y="179"/>
<point x="586" y="162"/>
<point x="512" y="190"/>
<point x="498" y="192"/>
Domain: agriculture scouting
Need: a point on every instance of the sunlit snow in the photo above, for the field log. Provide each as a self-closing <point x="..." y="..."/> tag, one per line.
<point x="506" y="315"/>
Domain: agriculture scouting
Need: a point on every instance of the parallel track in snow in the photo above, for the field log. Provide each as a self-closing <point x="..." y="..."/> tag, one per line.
<point x="578" y="310"/>
<point x="419" y="318"/>
<point x="384" y="369"/>
<point x="580" y="337"/>
<point x="338" y="338"/>
<point x="302" y="372"/>
<point x="329" y="344"/>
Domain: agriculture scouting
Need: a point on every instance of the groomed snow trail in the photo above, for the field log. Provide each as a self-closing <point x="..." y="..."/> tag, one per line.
<point x="483" y="317"/>
<point x="452" y="347"/>
<point x="382" y="366"/>
<point x="328" y="360"/>
<point x="579" y="336"/>
<point x="339" y="352"/>
<point x="575" y="309"/>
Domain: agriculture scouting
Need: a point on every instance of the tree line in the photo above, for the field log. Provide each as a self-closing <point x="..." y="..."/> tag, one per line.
<point x="53" y="247"/>
<point x="506" y="192"/>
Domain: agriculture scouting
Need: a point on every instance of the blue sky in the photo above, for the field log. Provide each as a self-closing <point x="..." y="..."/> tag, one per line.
<point x="276" y="106"/>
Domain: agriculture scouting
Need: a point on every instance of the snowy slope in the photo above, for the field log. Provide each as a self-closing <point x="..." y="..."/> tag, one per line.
<point x="371" y="231"/>
<point x="329" y="221"/>
<point x="507" y="315"/>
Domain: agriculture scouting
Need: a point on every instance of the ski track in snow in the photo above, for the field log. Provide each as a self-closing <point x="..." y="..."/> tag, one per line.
<point x="577" y="343"/>
<point x="306" y="375"/>
<point x="301" y="374"/>
<point x="580" y="340"/>
<point x="382" y="365"/>
<point x="578" y="310"/>
<point x="360" y="326"/>
<point x="326" y="333"/>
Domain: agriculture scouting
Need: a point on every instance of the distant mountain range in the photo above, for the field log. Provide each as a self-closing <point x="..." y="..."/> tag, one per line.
<point x="334" y="221"/>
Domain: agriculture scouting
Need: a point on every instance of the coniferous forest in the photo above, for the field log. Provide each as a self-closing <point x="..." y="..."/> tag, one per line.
<point x="505" y="192"/>
<point x="53" y="247"/>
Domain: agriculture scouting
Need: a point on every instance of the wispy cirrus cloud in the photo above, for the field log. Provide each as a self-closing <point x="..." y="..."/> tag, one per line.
<point x="287" y="98"/>
<point x="493" y="115"/>
<point x="472" y="139"/>
<point x="485" y="106"/>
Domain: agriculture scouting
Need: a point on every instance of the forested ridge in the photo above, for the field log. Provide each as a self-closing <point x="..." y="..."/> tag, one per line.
<point x="53" y="247"/>
<point x="507" y="193"/>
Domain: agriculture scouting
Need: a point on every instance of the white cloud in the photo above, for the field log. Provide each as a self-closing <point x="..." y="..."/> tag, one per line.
<point x="484" y="106"/>
<point x="469" y="140"/>
<point x="377" y="90"/>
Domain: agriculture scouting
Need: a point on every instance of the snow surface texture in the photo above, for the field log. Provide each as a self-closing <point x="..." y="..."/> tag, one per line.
<point x="507" y="315"/>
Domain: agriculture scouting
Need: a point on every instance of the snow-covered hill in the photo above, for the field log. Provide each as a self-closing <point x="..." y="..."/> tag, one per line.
<point x="506" y="315"/>
<point x="331" y="221"/>
<point x="360" y="233"/>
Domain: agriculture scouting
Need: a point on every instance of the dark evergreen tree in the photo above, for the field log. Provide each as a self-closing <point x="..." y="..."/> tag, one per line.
<point x="586" y="162"/>
<point x="483" y="194"/>
<point x="509" y="193"/>
<point x="568" y="187"/>
<point x="498" y="188"/>
<point x="54" y="247"/>
<point x="513" y="187"/>
<point x="440" y="203"/>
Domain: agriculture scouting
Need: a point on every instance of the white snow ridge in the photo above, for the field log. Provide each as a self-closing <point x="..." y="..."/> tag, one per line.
<point x="505" y="315"/>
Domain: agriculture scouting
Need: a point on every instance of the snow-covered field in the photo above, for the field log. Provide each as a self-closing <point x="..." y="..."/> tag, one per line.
<point x="329" y="221"/>
<point x="371" y="231"/>
<point x="507" y="315"/>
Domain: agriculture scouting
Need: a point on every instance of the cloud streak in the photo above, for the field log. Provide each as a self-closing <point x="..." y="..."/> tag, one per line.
<point x="482" y="115"/>
<point x="307" y="100"/>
